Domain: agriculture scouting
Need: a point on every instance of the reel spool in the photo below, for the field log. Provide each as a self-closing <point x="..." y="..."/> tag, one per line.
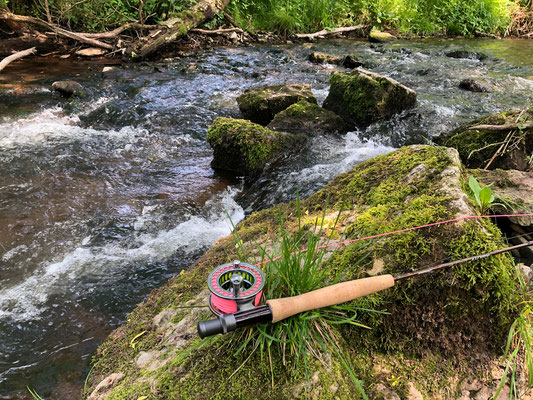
<point x="235" y="286"/>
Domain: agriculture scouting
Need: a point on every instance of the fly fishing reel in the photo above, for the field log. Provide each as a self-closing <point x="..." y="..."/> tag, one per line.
<point x="235" y="286"/>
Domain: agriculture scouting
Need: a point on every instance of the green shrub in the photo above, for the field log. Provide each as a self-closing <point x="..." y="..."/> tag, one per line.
<point x="407" y="16"/>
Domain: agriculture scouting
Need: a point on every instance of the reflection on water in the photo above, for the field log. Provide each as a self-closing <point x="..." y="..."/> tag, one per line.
<point x="104" y="197"/>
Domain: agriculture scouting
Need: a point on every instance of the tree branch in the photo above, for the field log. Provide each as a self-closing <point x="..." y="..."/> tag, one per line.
<point x="325" y="33"/>
<point x="503" y="127"/>
<point x="19" y="54"/>
<point x="56" y="29"/>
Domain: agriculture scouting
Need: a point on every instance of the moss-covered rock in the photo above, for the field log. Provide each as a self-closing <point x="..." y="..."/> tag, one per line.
<point x="348" y="61"/>
<point x="260" y="104"/>
<point x="477" y="147"/>
<point x="320" y="57"/>
<point x="245" y="148"/>
<point x="435" y="321"/>
<point x="308" y="118"/>
<point x="376" y="36"/>
<point x="362" y="97"/>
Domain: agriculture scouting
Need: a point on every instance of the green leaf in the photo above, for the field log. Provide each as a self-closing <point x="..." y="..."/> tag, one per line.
<point x="486" y="197"/>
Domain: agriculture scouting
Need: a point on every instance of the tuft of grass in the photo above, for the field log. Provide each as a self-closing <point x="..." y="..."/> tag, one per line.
<point x="519" y="347"/>
<point x="34" y="394"/>
<point x="293" y="265"/>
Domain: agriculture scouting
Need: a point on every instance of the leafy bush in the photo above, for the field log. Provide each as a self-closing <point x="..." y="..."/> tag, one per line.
<point x="99" y="15"/>
<point x="408" y="16"/>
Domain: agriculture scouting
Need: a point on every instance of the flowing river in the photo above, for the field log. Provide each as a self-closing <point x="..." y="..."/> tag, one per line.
<point x="104" y="197"/>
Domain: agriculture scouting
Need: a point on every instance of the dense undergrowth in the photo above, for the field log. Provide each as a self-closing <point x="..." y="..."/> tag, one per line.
<point x="418" y="17"/>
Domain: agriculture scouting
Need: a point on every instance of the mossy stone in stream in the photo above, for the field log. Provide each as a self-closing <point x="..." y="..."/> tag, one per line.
<point x="308" y="118"/>
<point x="347" y="61"/>
<point x="477" y="147"/>
<point x="461" y="314"/>
<point x="362" y="97"/>
<point x="260" y="104"/>
<point x="243" y="147"/>
<point x="376" y="36"/>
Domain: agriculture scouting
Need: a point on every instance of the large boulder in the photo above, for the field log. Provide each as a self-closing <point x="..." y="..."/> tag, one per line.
<point x="260" y="104"/>
<point x="362" y="97"/>
<point x="308" y="118"/>
<point x="503" y="140"/>
<point x="435" y="322"/>
<point x="245" y="148"/>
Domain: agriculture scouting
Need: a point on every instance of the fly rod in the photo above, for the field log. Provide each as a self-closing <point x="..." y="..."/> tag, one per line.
<point x="236" y="294"/>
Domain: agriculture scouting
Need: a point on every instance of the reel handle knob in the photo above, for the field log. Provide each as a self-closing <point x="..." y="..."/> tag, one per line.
<point x="223" y="324"/>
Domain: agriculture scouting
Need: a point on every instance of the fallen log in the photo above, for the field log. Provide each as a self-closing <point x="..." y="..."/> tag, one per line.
<point x="178" y="26"/>
<point x="8" y="60"/>
<point x="325" y="33"/>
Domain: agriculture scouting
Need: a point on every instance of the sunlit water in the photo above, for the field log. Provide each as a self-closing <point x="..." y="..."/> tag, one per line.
<point x="103" y="198"/>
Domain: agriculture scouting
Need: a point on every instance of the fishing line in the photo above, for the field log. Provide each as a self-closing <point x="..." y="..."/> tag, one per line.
<point x="458" y="219"/>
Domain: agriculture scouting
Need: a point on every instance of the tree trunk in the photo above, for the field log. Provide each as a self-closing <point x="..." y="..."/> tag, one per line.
<point x="173" y="28"/>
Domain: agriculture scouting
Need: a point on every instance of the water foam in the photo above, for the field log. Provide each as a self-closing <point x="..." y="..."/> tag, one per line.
<point x="112" y="262"/>
<point x="53" y="125"/>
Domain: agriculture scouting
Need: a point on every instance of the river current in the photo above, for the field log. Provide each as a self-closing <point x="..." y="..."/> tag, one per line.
<point x="104" y="197"/>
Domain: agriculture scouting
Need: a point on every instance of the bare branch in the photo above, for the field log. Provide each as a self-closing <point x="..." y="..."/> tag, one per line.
<point x="503" y="127"/>
<point x="16" y="56"/>
<point x="325" y="33"/>
<point x="59" y="31"/>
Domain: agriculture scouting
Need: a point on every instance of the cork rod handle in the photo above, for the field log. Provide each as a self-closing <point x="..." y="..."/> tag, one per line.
<point x="328" y="296"/>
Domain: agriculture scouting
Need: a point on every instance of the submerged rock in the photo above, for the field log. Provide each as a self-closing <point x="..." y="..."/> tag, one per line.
<point x="67" y="88"/>
<point x="245" y="148"/>
<point x="362" y="97"/>
<point x="260" y="104"/>
<point x="503" y="140"/>
<point x="308" y="118"/>
<point x="474" y="85"/>
<point x="319" y="57"/>
<point x="348" y="61"/>
<point x="450" y="317"/>
<point x="472" y="55"/>
<point x="376" y="36"/>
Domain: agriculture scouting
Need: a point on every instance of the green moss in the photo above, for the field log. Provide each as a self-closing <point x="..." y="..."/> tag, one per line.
<point x="362" y="97"/>
<point x="307" y="118"/>
<point x="260" y="104"/>
<point x="126" y="390"/>
<point x="243" y="146"/>
<point x="386" y="201"/>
